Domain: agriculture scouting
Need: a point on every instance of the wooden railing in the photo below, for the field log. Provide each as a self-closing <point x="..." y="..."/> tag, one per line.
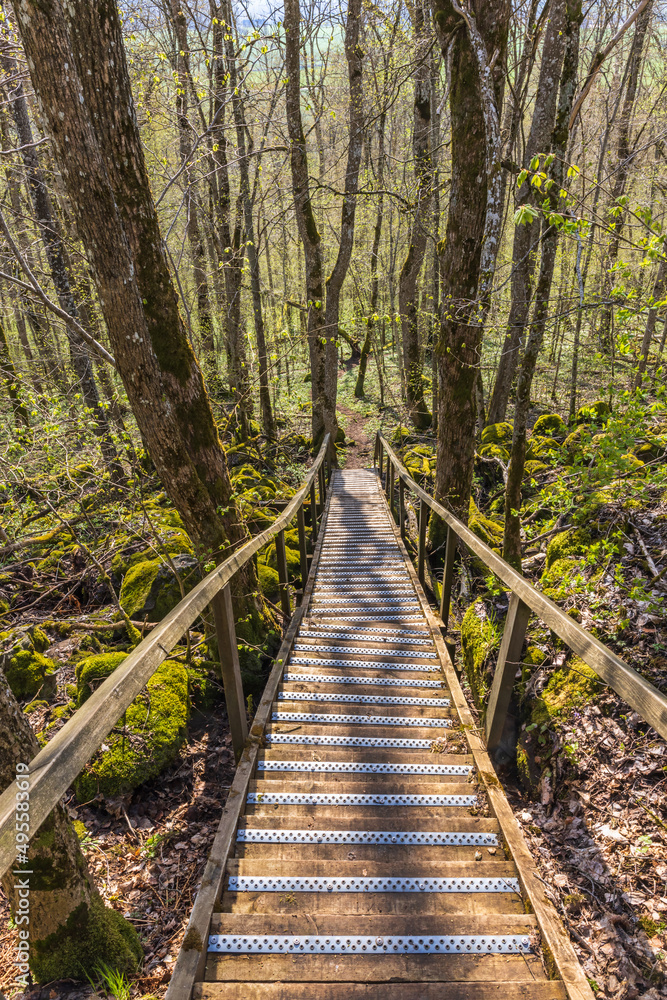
<point x="646" y="700"/>
<point x="55" y="767"/>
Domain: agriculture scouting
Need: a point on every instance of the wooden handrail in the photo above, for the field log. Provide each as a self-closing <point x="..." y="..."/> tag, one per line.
<point x="56" y="766"/>
<point x="646" y="700"/>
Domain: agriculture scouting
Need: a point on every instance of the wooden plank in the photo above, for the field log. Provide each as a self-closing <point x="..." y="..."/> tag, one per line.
<point x="282" y="575"/>
<point x="191" y="960"/>
<point x="646" y="700"/>
<point x="348" y="784"/>
<point x="361" y="904"/>
<point x="395" y="854"/>
<point x="375" y="818"/>
<point x="509" y="658"/>
<point x="555" y="937"/>
<point x="303" y="547"/>
<point x="421" y="550"/>
<point x="356" y="817"/>
<point x="230" y="669"/>
<point x="447" y="574"/>
<point x="362" y="968"/>
<point x="371" y="755"/>
<point x="335" y="924"/>
<point x="530" y="990"/>
<point x="56" y="766"/>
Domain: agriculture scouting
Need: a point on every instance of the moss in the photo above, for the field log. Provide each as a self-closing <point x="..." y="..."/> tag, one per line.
<point x="149" y="587"/>
<point x="593" y="413"/>
<point x="533" y="657"/>
<point x="154" y="729"/>
<point x="567" y="543"/>
<point x="40" y="639"/>
<point x="479" y="637"/>
<point x="559" y="578"/>
<point x="204" y="690"/>
<point x="91" y="935"/>
<point x="268" y="582"/>
<point x="541" y="447"/>
<point x="489" y="531"/>
<point x="34" y="705"/>
<point x="92" y="671"/>
<point x="550" y="425"/>
<point x="629" y="462"/>
<point x="650" y="450"/>
<point x="498" y="434"/>
<point x="28" y="673"/>
<point x="292" y="557"/>
<point x="572" y="442"/>
<point x="533" y="468"/>
<point x="494" y="451"/>
<point x="651" y="927"/>
<point x="573" y="685"/>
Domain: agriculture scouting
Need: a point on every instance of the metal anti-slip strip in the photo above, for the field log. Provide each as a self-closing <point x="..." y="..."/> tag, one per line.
<point x="362" y="699"/>
<point x="361" y="767"/>
<point x="341" y="799"/>
<point x="301" y="944"/>
<point x="366" y="602"/>
<point x="368" y="617"/>
<point x="360" y="720"/>
<point x="396" y="635"/>
<point x="343" y="679"/>
<point x="261" y="883"/>
<point x="322" y="740"/>
<point x="427" y="838"/>
<point x="418" y="653"/>
<point x="417" y="667"/>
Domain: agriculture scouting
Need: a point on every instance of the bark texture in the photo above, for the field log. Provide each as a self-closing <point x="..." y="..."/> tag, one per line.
<point x="70" y="929"/>
<point x="464" y="284"/>
<point x="94" y="130"/>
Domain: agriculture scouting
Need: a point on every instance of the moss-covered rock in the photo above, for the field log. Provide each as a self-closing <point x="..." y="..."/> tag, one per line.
<point x="150" y="588"/>
<point x="550" y="425"/>
<point x="401" y="436"/>
<point x="494" y="451"/>
<point x="292" y="557"/>
<point x="479" y="638"/>
<point x="593" y="413"/>
<point x="533" y="468"/>
<point x="498" y="434"/>
<point x="145" y="741"/>
<point x="268" y="582"/>
<point x="560" y="578"/>
<point x="489" y="531"/>
<point x="567" y="543"/>
<point x="651" y="449"/>
<point x="92" y="671"/>
<point x="541" y="447"/>
<point x="571" y="686"/>
<point x="28" y="672"/>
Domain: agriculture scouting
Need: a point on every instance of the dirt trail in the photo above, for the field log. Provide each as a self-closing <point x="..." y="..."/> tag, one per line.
<point x="360" y="454"/>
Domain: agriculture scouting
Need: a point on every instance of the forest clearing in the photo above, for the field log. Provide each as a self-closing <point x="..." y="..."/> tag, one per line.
<point x="333" y="500"/>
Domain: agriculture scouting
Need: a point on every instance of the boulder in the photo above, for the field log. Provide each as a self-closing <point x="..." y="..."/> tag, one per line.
<point x="150" y="589"/>
<point x="28" y="672"/>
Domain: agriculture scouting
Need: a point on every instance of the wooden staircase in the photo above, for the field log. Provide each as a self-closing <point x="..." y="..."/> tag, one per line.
<point x="366" y="864"/>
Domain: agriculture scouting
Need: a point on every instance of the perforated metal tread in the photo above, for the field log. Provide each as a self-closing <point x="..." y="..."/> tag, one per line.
<point x="365" y="619"/>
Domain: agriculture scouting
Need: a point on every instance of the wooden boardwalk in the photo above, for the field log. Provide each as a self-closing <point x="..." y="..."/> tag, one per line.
<point x="365" y="864"/>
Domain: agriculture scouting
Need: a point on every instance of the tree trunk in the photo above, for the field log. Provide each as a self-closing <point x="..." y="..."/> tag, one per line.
<point x="11" y="384"/>
<point x="615" y="216"/>
<point x="252" y="249"/>
<point x="659" y="291"/>
<point x="305" y="219"/>
<point x="193" y="226"/>
<point x="407" y="287"/>
<point x="48" y="228"/>
<point x="334" y="283"/>
<point x="464" y="274"/>
<point x="84" y="78"/>
<point x="570" y="17"/>
<point x="525" y="249"/>
<point x="70" y="930"/>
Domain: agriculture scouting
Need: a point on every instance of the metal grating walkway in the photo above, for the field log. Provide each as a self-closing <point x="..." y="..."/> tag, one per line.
<point x="364" y="864"/>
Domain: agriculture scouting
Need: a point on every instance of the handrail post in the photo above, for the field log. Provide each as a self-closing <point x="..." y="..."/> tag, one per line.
<point x="323" y="489"/>
<point x="401" y="507"/>
<point x="230" y="670"/>
<point x="386" y="481"/>
<point x="380" y="458"/>
<point x="391" y="489"/>
<point x="447" y="574"/>
<point x="421" y="551"/>
<point x="509" y="658"/>
<point x="303" y="551"/>
<point x="313" y="512"/>
<point x="282" y="574"/>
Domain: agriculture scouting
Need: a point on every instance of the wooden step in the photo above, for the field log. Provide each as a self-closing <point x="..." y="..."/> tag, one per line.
<point x="496" y="868"/>
<point x="529" y="989"/>
<point x="364" y="784"/>
<point x="376" y="755"/>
